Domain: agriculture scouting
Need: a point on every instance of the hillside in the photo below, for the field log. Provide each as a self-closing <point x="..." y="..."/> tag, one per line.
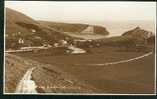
<point x="48" y="78"/>
<point x="75" y="28"/>
<point x="21" y="30"/>
<point x="29" y="31"/>
<point x="132" y="39"/>
<point x="138" y="33"/>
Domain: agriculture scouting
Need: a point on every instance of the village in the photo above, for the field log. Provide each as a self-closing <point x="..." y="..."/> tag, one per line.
<point x="60" y="44"/>
<point x="73" y="47"/>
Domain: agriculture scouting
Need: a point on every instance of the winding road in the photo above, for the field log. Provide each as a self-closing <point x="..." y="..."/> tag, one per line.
<point x="118" y="62"/>
<point x="26" y="84"/>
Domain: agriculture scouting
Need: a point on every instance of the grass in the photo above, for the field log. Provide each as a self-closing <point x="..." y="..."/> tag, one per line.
<point x="132" y="77"/>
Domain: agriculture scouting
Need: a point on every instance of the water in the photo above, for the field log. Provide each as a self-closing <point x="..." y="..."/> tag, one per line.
<point x="117" y="28"/>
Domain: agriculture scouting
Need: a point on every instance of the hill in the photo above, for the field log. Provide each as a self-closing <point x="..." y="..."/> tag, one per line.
<point x="22" y="30"/>
<point x="138" y="33"/>
<point x="48" y="78"/>
<point x="75" y="28"/>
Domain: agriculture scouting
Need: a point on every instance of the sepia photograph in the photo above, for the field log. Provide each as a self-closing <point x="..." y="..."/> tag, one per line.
<point x="80" y="48"/>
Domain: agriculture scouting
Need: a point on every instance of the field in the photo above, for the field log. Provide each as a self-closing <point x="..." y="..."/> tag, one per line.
<point x="48" y="78"/>
<point x="136" y="76"/>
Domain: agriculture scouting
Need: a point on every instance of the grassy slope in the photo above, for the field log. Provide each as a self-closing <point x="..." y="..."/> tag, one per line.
<point x="74" y="28"/>
<point x="47" y="79"/>
<point x="15" y="67"/>
<point x="133" y="77"/>
<point x="18" y="22"/>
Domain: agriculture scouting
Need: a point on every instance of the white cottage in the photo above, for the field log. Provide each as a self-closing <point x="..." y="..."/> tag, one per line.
<point x="20" y="41"/>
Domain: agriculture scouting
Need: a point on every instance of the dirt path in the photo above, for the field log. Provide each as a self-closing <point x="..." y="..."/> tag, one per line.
<point x="26" y="85"/>
<point x="118" y="62"/>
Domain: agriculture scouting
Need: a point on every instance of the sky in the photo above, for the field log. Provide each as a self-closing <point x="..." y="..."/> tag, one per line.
<point x="85" y="11"/>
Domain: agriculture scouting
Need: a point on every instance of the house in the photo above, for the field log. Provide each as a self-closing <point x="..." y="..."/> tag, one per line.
<point x="20" y="41"/>
<point x="61" y="43"/>
<point x="33" y="30"/>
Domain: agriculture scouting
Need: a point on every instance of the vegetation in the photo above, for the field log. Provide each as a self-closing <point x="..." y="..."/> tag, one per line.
<point x="74" y="28"/>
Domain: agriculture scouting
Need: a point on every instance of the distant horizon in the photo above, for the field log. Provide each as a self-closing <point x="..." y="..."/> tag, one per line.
<point x="85" y="22"/>
<point x="82" y="12"/>
<point x="62" y="21"/>
<point x="112" y="25"/>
